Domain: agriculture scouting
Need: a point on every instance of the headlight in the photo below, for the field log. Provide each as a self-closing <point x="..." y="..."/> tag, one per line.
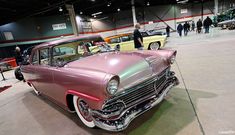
<point x="112" y="86"/>
<point x="172" y="60"/>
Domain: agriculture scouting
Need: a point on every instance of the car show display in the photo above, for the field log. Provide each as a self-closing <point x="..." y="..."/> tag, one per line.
<point x="117" y="67"/>
<point x="105" y="87"/>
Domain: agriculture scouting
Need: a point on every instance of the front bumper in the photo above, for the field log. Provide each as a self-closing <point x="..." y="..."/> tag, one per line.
<point x="120" y="121"/>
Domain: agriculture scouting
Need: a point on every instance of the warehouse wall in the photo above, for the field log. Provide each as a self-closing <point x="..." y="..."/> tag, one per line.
<point x="226" y="4"/>
<point x="35" y="28"/>
<point x="154" y="17"/>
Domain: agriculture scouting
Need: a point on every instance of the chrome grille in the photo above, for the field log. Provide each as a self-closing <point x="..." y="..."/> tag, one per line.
<point x="143" y="90"/>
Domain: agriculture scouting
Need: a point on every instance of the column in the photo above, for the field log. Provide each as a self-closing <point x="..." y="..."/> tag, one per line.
<point x="133" y="12"/>
<point x="216" y="7"/>
<point x="72" y="16"/>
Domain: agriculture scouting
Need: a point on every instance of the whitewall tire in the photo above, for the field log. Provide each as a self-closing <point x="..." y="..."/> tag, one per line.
<point x="154" y="46"/>
<point x="82" y="110"/>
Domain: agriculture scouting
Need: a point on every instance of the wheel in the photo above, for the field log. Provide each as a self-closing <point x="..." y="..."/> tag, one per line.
<point x="154" y="46"/>
<point x="18" y="74"/>
<point x="82" y="110"/>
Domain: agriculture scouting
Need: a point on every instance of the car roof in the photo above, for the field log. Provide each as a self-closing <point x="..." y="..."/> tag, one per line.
<point x="60" y="41"/>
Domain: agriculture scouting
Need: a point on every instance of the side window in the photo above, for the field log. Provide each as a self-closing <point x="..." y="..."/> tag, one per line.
<point x="115" y="40"/>
<point x="63" y="53"/>
<point x="125" y="38"/>
<point x="67" y="51"/>
<point x="131" y="37"/>
<point x="35" y="58"/>
<point x="144" y="34"/>
<point x="44" y="56"/>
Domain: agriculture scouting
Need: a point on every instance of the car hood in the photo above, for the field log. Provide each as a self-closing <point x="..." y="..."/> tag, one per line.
<point x="131" y="67"/>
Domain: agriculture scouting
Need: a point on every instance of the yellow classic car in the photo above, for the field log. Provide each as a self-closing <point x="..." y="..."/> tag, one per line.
<point x="125" y="42"/>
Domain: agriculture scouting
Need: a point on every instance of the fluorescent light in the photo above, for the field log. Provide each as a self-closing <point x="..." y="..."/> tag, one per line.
<point x="182" y="2"/>
<point x="95" y="14"/>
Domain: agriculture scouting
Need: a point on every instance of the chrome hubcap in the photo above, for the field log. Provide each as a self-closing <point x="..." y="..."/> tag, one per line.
<point x="84" y="110"/>
<point x="154" y="46"/>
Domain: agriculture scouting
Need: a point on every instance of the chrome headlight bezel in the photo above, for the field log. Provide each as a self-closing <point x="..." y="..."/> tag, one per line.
<point x="112" y="86"/>
<point x="172" y="60"/>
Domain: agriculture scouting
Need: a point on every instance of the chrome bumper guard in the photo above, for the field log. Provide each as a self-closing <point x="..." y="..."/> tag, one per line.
<point x="122" y="121"/>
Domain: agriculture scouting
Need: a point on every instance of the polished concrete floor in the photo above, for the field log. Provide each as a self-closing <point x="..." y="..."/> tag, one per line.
<point x="203" y="103"/>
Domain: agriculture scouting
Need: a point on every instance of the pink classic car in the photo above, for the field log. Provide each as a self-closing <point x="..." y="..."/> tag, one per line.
<point x="107" y="89"/>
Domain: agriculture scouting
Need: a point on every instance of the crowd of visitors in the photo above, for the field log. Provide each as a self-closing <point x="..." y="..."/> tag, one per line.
<point x="186" y="27"/>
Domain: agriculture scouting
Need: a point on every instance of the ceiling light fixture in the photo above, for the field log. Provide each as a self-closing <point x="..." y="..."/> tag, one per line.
<point x="109" y="4"/>
<point x="60" y="9"/>
<point x="148" y="4"/>
<point x="81" y="12"/>
<point x="118" y="9"/>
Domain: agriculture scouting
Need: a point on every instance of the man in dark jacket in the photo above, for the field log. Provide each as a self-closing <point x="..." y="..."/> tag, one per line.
<point x="186" y="28"/>
<point x="18" y="56"/>
<point x="199" y="26"/>
<point x="207" y="23"/>
<point x="168" y="31"/>
<point x="179" y="29"/>
<point x="138" y="38"/>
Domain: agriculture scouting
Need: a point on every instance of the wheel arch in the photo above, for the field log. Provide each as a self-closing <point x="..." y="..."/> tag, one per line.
<point x="69" y="102"/>
<point x="91" y="100"/>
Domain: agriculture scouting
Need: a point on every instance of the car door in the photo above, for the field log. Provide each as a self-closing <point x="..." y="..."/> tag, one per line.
<point x="43" y="72"/>
<point x="28" y="70"/>
<point x="63" y="79"/>
<point x="127" y="44"/>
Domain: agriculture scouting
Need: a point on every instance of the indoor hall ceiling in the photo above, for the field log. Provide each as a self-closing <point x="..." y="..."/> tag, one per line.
<point x="12" y="10"/>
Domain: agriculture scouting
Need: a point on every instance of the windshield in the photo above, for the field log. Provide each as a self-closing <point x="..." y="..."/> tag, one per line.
<point x="75" y="50"/>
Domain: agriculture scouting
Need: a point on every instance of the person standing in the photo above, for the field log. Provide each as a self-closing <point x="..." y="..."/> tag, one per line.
<point x="189" y="27"/>
<point x="138" y="38"/>
<point x="186" y="29"/>
<point x="179" y="29"/>
<point x="18" y="56"/>
<point x="207" y="23"/>
<point x="193" y="26"/>
<point x="168" y="31"/>
<point x="199" y="26"/>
